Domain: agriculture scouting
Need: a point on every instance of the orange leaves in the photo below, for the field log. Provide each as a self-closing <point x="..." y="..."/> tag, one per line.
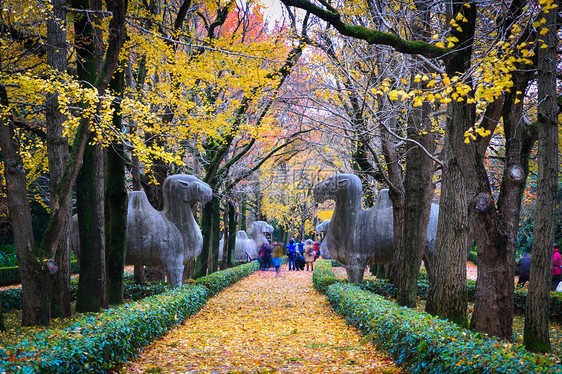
<point x="265" y="323"/>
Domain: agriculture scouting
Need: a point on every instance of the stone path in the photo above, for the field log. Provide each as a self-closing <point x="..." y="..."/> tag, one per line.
<point x="264" y="324"/>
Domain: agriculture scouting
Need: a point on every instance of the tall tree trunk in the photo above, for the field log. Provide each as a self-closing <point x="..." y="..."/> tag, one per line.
<point x="243" y="214"/>
<point x="496" y="239"/>
<point x="57" y="148"/>
<point x="91" y="295"/>
<point x="225" y="237"/>
<point x="34" y="312"/>
<point x="418" y="193"/>
<point x="232" y="225"/>
<point x="535" y="336"/>
<point x="396" y="188"/>
<point x="447" y="293"/>
<point x="115" y="205"/>
<point x="418" y="183"/>
<point x="214" y="245"/>
<point x="202" y="262"/>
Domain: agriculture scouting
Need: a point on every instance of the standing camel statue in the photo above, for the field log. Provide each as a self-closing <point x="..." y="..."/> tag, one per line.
<point x="167" y="238"/>
<point x="357" y="237"/>
<point x="246" y="248"/>
<point x="171" y="237"/>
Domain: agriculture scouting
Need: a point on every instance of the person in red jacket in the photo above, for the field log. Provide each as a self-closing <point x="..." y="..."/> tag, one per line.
<point x="556" y="269"/>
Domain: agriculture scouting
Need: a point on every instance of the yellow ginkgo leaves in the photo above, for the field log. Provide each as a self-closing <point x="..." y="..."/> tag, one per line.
<point x="264" y="323"/>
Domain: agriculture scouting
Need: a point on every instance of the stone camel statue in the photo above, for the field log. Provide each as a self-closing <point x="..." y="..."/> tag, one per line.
<point x="246" y="248"/>
<point x="320" y="228"/>
<point x="167" y="238"/>
<point x="357" y="237"/>
<point x="171" y="237"/>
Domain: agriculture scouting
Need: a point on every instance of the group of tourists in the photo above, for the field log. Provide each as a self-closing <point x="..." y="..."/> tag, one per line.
<point x="525" y="270"/>
<point x="301" y="255"/>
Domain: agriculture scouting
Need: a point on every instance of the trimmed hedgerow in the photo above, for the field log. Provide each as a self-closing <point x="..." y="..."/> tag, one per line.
<point x="95" y="344"/>
<point x="425" y="344"/>
<point x="323" y="276"/>
<point x="11" y="274"/>
<point x="12" y="298"/>
<point x="384" y="288"/>
<point x="218" y="281"/>
<point x="98" y="343"/>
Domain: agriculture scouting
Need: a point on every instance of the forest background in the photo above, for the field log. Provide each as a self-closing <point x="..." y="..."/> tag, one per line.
<point x="453" y="102"/>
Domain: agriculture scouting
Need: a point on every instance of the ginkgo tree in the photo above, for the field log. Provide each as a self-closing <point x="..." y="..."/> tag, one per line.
<point x="475" y="96"/>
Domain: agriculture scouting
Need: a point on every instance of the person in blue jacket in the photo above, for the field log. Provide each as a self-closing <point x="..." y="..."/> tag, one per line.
<point x="292" y="254"/>
<point x="300" y="247"/>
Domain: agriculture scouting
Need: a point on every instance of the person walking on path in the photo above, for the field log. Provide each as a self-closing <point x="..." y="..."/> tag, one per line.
<point x="556" y="269"/>
<point x="292" y="254"/>
<point x="276" y="257"/>
<point x="309" y="255"/>
<point x="524" y="269"/>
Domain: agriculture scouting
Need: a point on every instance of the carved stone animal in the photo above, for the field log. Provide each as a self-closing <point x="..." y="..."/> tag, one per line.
<point x="167" y="238"/>
<point x="358" y="237"/>
<point x="320" y="228"/>
<point x="246" y="248"/>
<point x="171" y="237"/>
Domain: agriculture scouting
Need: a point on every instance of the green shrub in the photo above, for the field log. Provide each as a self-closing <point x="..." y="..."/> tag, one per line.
<point x="219" y="280"/>
<point x="472" y="257"/>
<point x="11" y="300"/>
<point x="11" y="274"/>
<point x="384" y="288"/>
<point x="425" y="344"/>
<point x="97" y="343"/>
<point x="323" y="276"/>
<point x="7" y="256"/>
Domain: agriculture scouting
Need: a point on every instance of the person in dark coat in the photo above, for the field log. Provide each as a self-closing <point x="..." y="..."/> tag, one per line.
<point x="299" y="262"/>
<point x="524" y="269"/>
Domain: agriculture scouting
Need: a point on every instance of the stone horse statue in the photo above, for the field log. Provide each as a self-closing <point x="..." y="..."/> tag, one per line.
<point x="320" y="228"/>
<point x="171" y="237"/>
<point x="357" y="237"/>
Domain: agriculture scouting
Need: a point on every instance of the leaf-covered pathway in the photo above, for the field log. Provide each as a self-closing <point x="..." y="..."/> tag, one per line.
<point x="264" y="324"/>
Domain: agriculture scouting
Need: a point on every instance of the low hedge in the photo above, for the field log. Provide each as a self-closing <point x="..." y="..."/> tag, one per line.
<point x="12" y="298"/>
<point x="384" y="288"/>
<point x="219" y="280"/>
<point x="96" y="344"/>
<point x="425" y="344"/>
<point x="11" y="274"/>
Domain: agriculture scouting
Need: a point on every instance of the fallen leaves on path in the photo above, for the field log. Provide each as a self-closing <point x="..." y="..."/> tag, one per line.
<point x="264" y="324"/>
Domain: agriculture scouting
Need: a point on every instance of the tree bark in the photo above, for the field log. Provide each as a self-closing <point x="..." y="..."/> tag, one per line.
<point x="202" y="262"/>
<point x="91" y="296"/>
<point x="418" y="183"/>
<point x="496" y="239"/>
<point x="447" y="293"/>
<point x="396" y="188"/>
<point x="214" y="250"/>
<point x="115" y="205"/>
<point x="535" y="337"/>
<point x="57" y="149"/>
<point x="34" y="312"/>
<point x="232" y="225"/>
